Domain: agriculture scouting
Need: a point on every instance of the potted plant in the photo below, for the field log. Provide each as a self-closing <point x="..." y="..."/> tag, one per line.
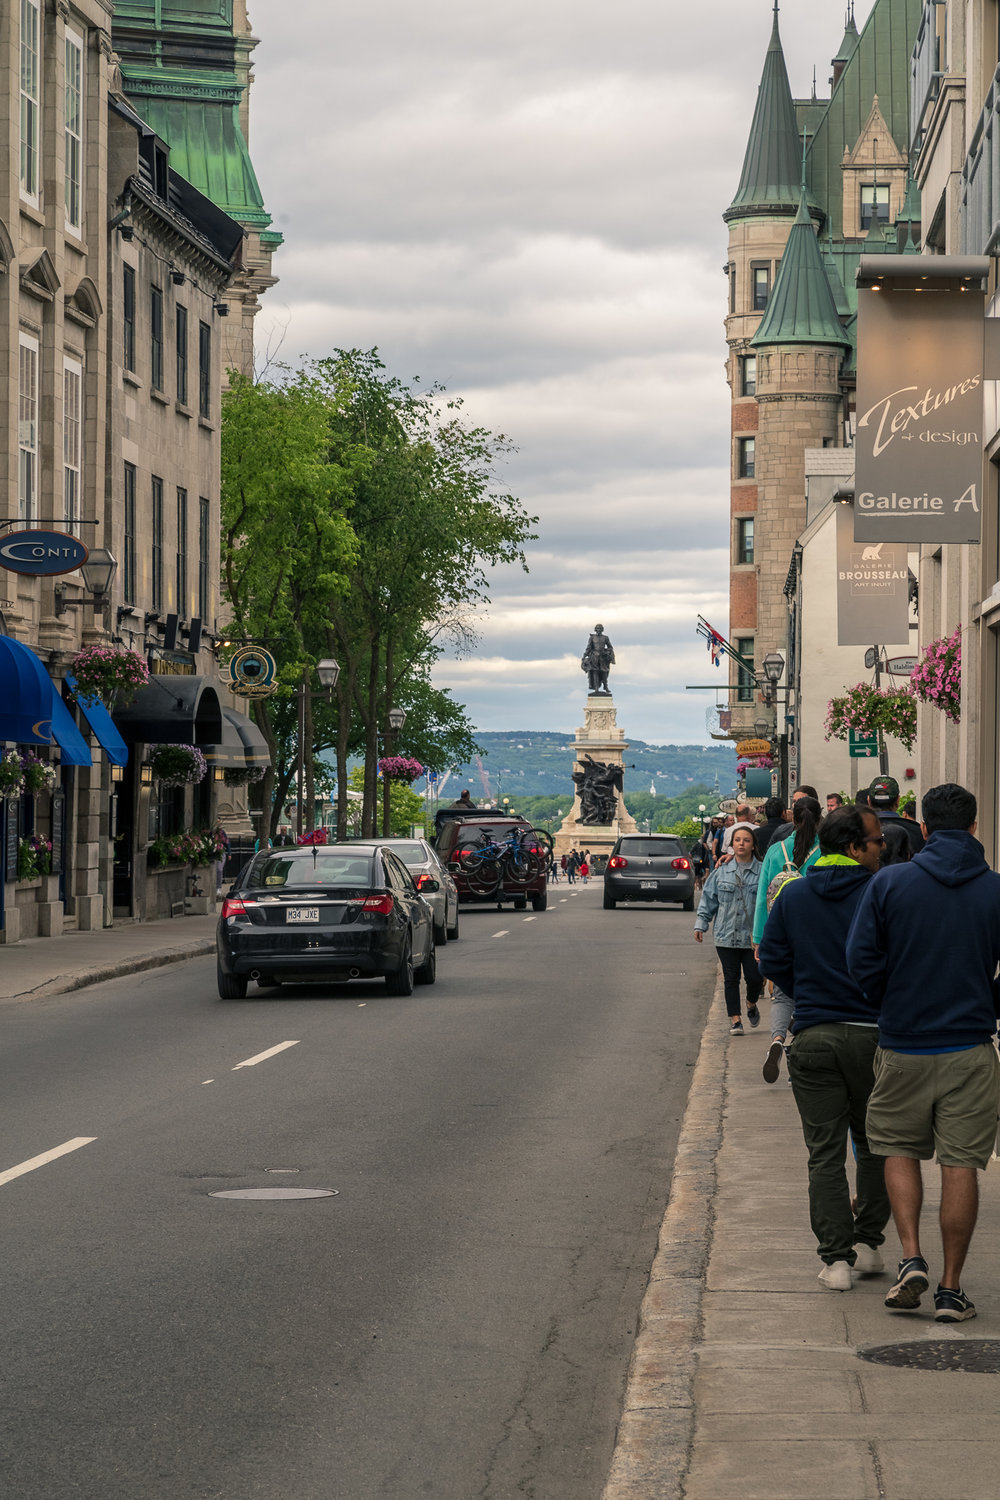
<point x="242" y="775"/>
<point x="34" y="857"/>
<point x="937" y="677"/>
<point x="38" y="775"/>
<point x="177" y="765"/>
<point x="869" y="710"/>
<point x="109" y="673"/>
<point x="11" y="775"/>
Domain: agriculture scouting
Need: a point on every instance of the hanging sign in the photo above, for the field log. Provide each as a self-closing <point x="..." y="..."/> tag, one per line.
<point x="753" y="747"/>
<point x="43" y="554"/>
<point x="901" y="666"/>
<point x="919" y="440"/>
<point x="251" y="672"/>
<point x="873" y="587"/>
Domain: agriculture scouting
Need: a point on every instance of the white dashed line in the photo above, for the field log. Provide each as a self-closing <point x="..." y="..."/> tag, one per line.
<point x="46" y="1157"/>
<point x="504" y="932"/>
<point x="529" y="919"/>
<point x="251" y="1062"/>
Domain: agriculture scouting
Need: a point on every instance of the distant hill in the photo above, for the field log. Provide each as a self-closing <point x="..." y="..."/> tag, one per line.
<point x="535" y="763"/>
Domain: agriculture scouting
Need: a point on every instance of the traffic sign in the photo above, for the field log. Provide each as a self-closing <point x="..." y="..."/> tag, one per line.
<point x="862" y="746"/>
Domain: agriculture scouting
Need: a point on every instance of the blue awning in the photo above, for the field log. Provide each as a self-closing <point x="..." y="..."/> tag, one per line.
<point x="101" y="723"/>
<point x="25" y="695"/>
<point x="73" y="748"/>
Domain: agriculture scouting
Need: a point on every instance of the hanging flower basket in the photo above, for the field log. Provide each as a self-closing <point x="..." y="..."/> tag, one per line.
<point x="177" y="765"/>
<point x="400" y="768"/>
<point x="242" y="776"/>
<point x="755" y="762"/>
<point x="11" y="775"/>
<point x="196" y="847"/>
<point x="937" y="677"/>
<point x="38" y="775"/>
<point x="867" y="709"/>
<point x="34" y="857"/>
<point x="109" y="673"/>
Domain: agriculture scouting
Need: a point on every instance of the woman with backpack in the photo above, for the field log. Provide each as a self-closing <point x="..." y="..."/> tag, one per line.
<point x="728" y="900"/>
<point x="785" y="860"/>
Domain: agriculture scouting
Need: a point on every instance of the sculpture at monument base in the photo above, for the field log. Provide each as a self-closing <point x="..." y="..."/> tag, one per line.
<point x="598" y="783"/>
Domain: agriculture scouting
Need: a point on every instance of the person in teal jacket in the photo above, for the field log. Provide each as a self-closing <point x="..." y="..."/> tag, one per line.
<point x="728" y="900"/>
<point x="796" y="853"/>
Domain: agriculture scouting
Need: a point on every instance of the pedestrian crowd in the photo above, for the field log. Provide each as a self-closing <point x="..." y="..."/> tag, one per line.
<point x="877" y="938"/>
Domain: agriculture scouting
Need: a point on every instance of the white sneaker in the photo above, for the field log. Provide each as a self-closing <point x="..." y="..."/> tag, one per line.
<point x="837" y="1278"/>
<point x="868" y="1262"/>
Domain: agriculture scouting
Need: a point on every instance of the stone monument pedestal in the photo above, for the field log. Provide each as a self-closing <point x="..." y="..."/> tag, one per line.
<point x="600" y="738"/>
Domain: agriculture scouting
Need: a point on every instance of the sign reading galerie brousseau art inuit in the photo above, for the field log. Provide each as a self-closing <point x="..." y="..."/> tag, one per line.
<point x="873" y="588"/>
<point x="919" y="439"/>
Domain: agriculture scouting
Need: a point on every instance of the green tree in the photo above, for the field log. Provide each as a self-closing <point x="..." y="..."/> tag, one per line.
<point x="406" y="808"/>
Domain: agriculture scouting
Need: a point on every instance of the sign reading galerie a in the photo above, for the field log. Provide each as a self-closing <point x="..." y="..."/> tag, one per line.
<point x="919" y="442"/>
<point x="873" y="588"/>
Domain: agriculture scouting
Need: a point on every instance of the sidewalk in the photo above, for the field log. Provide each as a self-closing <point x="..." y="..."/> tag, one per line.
<point x="53" y="965"/>
<point x="746" y="1379"/>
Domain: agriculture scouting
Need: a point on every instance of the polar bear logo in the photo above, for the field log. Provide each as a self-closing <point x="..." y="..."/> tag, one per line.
<point x="873" y="554"/>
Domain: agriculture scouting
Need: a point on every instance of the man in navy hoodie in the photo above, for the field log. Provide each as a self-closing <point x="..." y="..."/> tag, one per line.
<point x="835" y="1034"/>
<point x="924" y="946"/>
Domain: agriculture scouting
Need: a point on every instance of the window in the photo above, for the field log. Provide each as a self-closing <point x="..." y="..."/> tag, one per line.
<point x="157" y="551"/>
<point x="203" y="559"/>
<point x="128" y="317"/>
<point x="30" y="122"/>
<point x="744" y="539"/>
<point x="182" y="555"/>
<point x="731" y="275"/>
<point x="182" y="355"/>
<point x="73" y="126"/>
<point x="745" y="457"/>
<point x="748" y="375"/>
<point x="27" y="428"/>
<point x="128" y="562"/>
<point x="761" y="287"/>
<point x="744" y="683"/>
<point x="204" y="371"/>
<point x="874" y="204"/>
<point x="72" y="437"/>
<point x="156" y="338"/>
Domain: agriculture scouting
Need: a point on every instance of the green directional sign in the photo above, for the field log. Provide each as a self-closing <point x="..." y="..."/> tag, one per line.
<point x="861" y="746"/>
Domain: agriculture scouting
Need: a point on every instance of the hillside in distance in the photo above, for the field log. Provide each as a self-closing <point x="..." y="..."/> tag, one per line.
<point x="536" y="763"/>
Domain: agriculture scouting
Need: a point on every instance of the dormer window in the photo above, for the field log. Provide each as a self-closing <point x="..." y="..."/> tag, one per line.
<point x="874" y="204"/>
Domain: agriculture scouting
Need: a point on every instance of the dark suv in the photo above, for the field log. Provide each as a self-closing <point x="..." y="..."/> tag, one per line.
<point x="461" y="834"/>
<point x="649" y="867"/>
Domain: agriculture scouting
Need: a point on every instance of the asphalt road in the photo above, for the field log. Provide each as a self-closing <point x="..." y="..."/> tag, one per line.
<point x="456" y="1322"/>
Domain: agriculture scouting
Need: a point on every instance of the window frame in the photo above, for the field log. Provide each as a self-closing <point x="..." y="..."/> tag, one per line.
<point x="128" y="317"/>
<point x="72" y="441"/>
<point x="205" y="371"/>
<point x="30" y="111"/>
<point x="745" y="678"/>
<point x="748" y="387"/>
<point x="156" y="545"/>
<point x="204" y="557"/>
<point x="73" y="139"/>
<point x="875" y="205"/>
<point x="128" y="550"/>
<point x="746" y="469"/>
<point x="181" y="567"/>
<point x="181" y="340"/>
<point x="760" y="268"/>
<point x="155" y="337"/>
<point x="27" y="418"/>
<point x="744" y="554"/>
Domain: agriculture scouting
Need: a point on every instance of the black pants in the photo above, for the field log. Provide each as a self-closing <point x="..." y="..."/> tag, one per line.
<point x="733" y="961"/>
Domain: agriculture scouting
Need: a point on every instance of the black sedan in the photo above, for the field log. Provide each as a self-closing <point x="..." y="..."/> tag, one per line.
<point x="325" y="914"/>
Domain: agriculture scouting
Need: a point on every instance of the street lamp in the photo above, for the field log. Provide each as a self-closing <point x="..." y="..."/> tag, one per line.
<point x="761" y="727"/>
<point x="774" y="666"/>
<point x="328" y="671"/>
<point x="97" y="573"/>
<point x="397" y="718"/>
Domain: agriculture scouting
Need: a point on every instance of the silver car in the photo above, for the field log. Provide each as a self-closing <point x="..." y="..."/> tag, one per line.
<point x="421" y="860"/>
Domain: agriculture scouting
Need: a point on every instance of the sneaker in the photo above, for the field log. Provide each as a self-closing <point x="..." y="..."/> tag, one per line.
<point x="910" y="1284"/>
<point x="867" y="1260"/>
<point x="772" y="1062"/>
<point x="753" y="1016"/>
<point x="736" y="1029"/>
<point x="837" y="1277"/>
<point x="952" y="1307"/>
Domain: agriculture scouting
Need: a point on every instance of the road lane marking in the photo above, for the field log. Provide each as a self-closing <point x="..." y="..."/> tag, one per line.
<point x="46" y="1156"/>
<point x="251" y="1062"/>
<point x="207" y="1080"/>
<point x="563" y="898"/>
<point x="529" y="919"/>
<point x="504" y="932"/>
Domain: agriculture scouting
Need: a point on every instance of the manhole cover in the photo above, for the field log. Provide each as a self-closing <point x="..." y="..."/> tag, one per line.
<point x="975" y="1356"/>
<point x="289" y="1192"/>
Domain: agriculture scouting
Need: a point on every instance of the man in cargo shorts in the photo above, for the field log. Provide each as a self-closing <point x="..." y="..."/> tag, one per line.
<point x="924" y="945"/>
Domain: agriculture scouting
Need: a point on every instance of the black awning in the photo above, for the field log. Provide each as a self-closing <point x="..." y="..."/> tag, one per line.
<point x="173" y="711"/>
<point x="254" y="744"/>
<point x="228" y="754"/>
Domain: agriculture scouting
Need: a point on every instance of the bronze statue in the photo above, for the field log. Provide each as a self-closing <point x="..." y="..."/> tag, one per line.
<point x="598" y="784"/>
<point x="598" y="659"/>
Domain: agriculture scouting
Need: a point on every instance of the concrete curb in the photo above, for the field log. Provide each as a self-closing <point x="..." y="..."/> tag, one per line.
<point x="66" y="983"/>
<point x="653" y="1445"/>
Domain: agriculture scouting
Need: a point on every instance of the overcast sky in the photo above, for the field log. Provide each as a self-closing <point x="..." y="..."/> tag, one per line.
<point x="523" y="202"/>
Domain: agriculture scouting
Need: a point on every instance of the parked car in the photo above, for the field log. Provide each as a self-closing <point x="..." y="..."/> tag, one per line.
<point x="325" y="914"/>
<point x="426" y="869"/>
<point x="461" y="836"/>
<point x="649" y="867"/>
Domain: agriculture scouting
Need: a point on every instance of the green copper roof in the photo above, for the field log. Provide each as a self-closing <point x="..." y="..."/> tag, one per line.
<point x="850" y="42"/>
<point x="910" y="212"/>
<point x="802" y="307"/>
<point x="771" y="167"/>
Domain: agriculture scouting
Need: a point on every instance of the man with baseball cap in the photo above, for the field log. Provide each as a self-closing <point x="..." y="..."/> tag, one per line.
<point x="883" y="797"/>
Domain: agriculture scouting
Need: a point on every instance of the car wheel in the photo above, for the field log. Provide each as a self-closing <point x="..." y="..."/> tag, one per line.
<point x="453" y="931"/>
<point x="520" y="903"/>
<point x="688" y="904"/>
<point x="440" y="934"/>
<point x="609" y="902"/>
<point x="401" y="982"/>
<point x="230" y="988"/>
<point x="540" y="900"/>
<point x="427" y="973"/>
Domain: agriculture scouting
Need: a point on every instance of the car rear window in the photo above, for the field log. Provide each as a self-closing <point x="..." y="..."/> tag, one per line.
<point x="316" y="868"/>
<point x="410" y="854"/>
<point x="650" y="848"/>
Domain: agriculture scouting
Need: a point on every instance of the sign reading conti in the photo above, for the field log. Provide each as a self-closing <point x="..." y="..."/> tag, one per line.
<point x="42" y="553"/>
<point x="919" y="442"/>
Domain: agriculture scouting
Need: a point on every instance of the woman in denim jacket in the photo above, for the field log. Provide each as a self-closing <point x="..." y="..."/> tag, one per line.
<point x="728" y="899"/>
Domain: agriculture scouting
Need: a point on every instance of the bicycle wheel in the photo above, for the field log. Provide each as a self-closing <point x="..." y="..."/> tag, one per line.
<point x="518" y="866"/>
<point x="484" y="877"/>
<point x="542" y="839"/>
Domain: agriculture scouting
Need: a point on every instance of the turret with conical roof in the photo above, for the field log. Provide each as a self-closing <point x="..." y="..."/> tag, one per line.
<point x="769" y="183"/>
<point x="802" y="308"/>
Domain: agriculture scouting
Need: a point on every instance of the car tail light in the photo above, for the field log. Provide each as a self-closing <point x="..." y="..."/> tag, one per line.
<point x="381" y="904"/>
<point x="617" y="863"/>
<point x="423" y="880"/>
<point x="233" y="907"/>
<point x="681" y="864"/>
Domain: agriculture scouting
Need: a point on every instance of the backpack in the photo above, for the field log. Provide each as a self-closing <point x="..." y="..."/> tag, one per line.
<point x="778" y="882"/>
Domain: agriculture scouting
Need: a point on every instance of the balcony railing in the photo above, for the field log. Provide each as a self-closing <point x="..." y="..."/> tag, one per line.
<point x="925" y="70"/>
<point x="981" y="180"/>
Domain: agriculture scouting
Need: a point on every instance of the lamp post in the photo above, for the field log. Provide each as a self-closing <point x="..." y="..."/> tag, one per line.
<point x="397" y="718"/>
<point x="97" y="574"/>
<point x="774" y="667"/>
<point x="327" y="671"/>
